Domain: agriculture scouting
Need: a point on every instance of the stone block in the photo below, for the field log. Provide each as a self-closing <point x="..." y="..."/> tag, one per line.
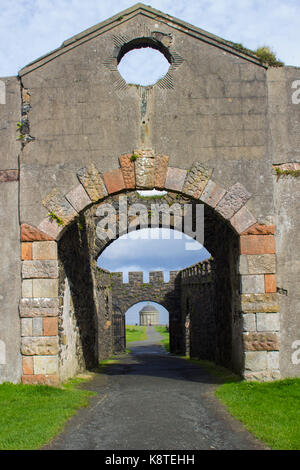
<point x="249" y="323"/>
<point x="92" y="182"/>
<point x="256" y="361"/>
<point x="175" y="179"/>
<point x="253" y="284"/>
<point x="41" y="379"/>
<point x="270" y="283"/>
<point x="78" y="198"/>
<point x="26" y="326"/>
<point x="37" y="326"/>
<point x="242" y="219"/>
<point x="26" y="250"/>
<point x="257" y="244"/>
<point x="38" y="307"/>
<point x="161" y="168"/>
<point x="212" y="194"/>
<point x="45" y="288"/>
<point x="127" y="167"/>
<point x="252" y="303"/>
<point x="29" y="234"/>
<point x="196" y="180"/>
<point x="260" y="229"/>
<point x="51" y="228"/>
<point x="47" y="365"/>
<point x="262" y="376"/>
<point x="27" y="289"/>
<point x="260" y="341"/>
<point x="59" y="205"/>
<point x="257" y="264"/>
<point x="27" y="365"/>
<point x="273" y="360"/>
<point x="50" y="326"/>
<point x="145" y="172"/>
<point x="114" y="181"/>
<point x="39" y="346"/>
<point x="267" y="321"/>
<point x="234" y="199"/>
<point x="39" y="269"/>
<point x="7" y="176"/>
<point x="44" y="250"/>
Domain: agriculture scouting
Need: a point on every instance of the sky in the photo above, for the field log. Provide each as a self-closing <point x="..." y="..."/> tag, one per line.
<point x="32" y="28"/>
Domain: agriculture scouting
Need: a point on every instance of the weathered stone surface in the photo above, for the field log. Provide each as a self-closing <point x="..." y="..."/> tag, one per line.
<point x="26" y="251"/>
<point x="145" y="172"/>
<point x="50" y="326"/>
<point x="39" y="346"/>
<point x="256" y="361"/>
<point x="39" y="269"/>
<point x="249" y="323"/>
<point x="114" y="181"/>
<point x="242" y="219"/>
<point x="257" y="244"/>
<point x="270" y="283"/>
<point x="57" y="204"/>
<point x="254" y="283"/>
<point x="45" y="365"/>
<point x="44" y="250"/>
<point x="127" y="167"/>
<point x="92" y="182"/>
<point x="259" y="229"/>
<point x="260" y="341"/>
<point x="175" y="179"/>
<point x="252" y="303"/>
<point x="273" y="360"/>
<point x="78" y="198"/>
<point x="41" y="379"/>
<point x="37" y="326"/>
<point x="161" y="168"/>
<point x="196" y="180"/>
<point x="268" y="321"/>
<point x="9" y="175"/>
<point x="38" y="307"/>
<point x="257" y="264"/>
<point x="262" y="376"/>
<point x="27" y="364"/>
<point x="26" y="327"/>
<point x="45" y="287"/>
<point x="51" y="228"/>
<point x="233" y="200"/>
<point x="29" y="234"/>
<point x="212" y="194"/>
<point x="27" y="288"/>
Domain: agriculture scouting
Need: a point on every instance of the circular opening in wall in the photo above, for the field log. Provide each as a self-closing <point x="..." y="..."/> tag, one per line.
<point x="143" y="66"/>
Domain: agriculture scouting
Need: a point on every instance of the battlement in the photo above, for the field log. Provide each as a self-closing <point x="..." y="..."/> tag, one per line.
<point x="136" y="278"/>
<point x="200" y="272"/>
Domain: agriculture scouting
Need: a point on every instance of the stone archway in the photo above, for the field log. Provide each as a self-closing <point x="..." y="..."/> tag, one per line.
<point x="43" y="302"/>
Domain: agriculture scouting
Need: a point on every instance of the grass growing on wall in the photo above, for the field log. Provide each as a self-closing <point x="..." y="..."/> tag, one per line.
<point x="31" y="415"/>
<point x="165" y="333"/>
<point x="135" y="333"/>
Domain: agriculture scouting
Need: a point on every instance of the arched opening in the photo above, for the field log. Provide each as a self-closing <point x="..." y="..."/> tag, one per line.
<point x="202" y="300"/>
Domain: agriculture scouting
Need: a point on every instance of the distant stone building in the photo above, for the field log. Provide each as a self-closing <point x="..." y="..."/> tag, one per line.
<point x="148" y="316"/>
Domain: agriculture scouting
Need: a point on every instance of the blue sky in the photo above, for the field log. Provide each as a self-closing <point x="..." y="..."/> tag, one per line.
<point x="31" y="28"/>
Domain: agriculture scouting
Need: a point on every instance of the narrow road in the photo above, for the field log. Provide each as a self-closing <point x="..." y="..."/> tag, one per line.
<point x="153" y="400"/>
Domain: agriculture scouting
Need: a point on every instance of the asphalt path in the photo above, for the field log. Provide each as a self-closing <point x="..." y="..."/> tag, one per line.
<point x="153" y="400"/>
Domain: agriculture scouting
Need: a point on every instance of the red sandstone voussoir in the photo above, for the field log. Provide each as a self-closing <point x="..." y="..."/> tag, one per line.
<point x="114" y="181"/>
<point x="32" y="234"/>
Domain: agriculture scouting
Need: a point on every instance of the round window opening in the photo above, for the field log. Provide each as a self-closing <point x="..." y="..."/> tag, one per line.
<point x="143" y="66"/>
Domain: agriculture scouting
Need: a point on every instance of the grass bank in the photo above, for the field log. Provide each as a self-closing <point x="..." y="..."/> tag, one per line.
<point x="165" y="333"/>
<point x="31" y="415"/>
<point x="269" y="410"/>
<point x="135" y="333"/>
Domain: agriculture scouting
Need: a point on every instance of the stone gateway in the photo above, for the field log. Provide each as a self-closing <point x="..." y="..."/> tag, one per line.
<point x="220" y="129"/>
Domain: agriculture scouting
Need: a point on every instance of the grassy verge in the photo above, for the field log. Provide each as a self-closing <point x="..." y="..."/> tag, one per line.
<point x="31" y="415"/>
<point x="269" y="410"/>
<point x="135" y="333"/>
<point x="165" y="333"/>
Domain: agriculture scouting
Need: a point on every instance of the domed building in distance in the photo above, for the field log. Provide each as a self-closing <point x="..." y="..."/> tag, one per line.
<point x="148" y="315"/>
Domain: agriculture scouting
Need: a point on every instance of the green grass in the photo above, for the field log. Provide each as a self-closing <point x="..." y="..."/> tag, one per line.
<point x="165" y="333"/>
<point x="271" y="411"/>
<point x="31" y="415"/>
<point x="135" y="333"/>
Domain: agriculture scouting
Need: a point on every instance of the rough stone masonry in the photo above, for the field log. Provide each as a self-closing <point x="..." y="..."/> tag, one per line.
<point x="220" y="129"/>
